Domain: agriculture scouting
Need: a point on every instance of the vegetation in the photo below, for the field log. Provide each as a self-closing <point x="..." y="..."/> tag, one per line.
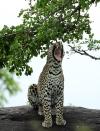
<point x="7" y="86"/>
<point x="44" y="22"/>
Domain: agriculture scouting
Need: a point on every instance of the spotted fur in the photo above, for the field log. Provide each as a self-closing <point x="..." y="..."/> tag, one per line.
<point x="49" y="91"/>
<point x="33" y="96"/>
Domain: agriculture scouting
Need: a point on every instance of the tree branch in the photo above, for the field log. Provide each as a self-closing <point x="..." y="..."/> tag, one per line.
<point x="31" y="32"/>
<point x="83" y="52"/>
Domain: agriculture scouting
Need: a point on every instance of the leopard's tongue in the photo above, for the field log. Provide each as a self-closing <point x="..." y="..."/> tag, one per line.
<point x="57" y="54"/>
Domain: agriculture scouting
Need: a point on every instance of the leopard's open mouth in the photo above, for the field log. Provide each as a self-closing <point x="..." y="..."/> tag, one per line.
<point x="58" y="52"/>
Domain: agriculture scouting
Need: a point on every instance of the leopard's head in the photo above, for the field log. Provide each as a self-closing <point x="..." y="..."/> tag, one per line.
<point x="55" y="52"/>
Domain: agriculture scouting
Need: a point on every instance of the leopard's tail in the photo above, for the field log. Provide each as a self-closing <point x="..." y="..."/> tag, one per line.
<point x="33" y="96"/>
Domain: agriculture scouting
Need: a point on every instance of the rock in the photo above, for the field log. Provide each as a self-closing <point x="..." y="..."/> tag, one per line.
<point x="25" y="118"/>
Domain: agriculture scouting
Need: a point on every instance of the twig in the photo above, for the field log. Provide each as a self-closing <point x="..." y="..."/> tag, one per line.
<point x="83" y="52"/>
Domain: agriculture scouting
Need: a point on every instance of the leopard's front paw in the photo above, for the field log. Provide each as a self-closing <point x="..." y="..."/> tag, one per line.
<point x="61" y="122"/>
<point x="47" y="124"/>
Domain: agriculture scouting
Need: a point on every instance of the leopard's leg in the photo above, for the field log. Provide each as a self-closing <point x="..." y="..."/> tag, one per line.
<point x="46" y="103"/>
<point x="59" y="111"/>
<point x="33" y="96"/>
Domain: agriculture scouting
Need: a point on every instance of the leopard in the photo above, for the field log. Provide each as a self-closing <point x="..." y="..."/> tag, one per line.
<point x="49" y="92"/>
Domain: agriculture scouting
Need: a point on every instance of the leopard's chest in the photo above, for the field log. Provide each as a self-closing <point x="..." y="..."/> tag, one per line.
<point x="51" y="81"/>
<point x="54" y="88"/>
<point x="55" y="84"/>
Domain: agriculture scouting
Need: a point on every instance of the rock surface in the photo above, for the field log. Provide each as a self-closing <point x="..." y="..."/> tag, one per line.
<point x="25" y="118"/>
